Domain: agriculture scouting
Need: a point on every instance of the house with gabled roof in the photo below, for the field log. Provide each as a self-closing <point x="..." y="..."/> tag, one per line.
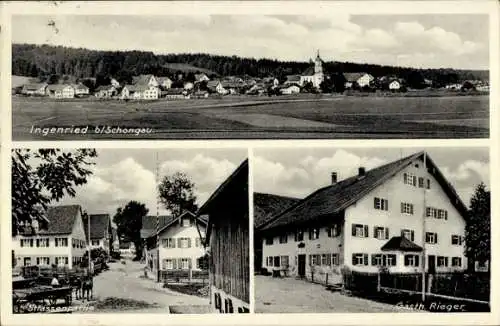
<point x="227" y="236"/>
<point x="100" y="231"/>
<point x="384" y="217"/>
<point x="181" y="242"/>
<point x="360" y="79"/>
<point x="265" y="207"/>
<point x="60" y="91"/>
<point x="58" y="239"/>
<point x="37" y="89"/>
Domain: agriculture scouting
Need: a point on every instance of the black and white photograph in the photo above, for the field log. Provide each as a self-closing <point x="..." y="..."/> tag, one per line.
<point x="130" y="230"/>
<point x="357" y="230"/>
<point x="332" y="75"/>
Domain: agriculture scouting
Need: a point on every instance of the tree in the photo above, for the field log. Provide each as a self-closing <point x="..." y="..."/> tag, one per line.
<point x="129" y="224"/>
<point x="477" y="233"/>
<point x="55" y="174"/>
<point x="176" y="193"/>
<point x="339" y="82"/>
<point x="327" y="85"/>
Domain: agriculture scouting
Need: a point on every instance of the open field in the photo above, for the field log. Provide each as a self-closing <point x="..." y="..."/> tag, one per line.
<point x="244" y="117"/>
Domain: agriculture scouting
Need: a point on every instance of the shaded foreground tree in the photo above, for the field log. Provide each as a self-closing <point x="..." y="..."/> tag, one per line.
<point x="478" y="229"/>
<point x="129" y="224"/>
<point x="42" y="176"/>
<point x="177" y="193"/>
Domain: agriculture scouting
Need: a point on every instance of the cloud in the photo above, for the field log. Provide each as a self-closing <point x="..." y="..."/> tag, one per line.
<point x="467" y="170"/>
<point x="115" y="185"/>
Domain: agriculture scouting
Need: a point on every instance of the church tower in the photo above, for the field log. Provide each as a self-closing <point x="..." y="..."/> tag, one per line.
<point x="319" y="77"/>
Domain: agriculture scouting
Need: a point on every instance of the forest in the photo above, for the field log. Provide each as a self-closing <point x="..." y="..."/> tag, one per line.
<point x="43" y="61"/>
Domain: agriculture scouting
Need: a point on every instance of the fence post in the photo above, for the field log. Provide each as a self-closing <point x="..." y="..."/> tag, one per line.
<point x="378" y="282"/>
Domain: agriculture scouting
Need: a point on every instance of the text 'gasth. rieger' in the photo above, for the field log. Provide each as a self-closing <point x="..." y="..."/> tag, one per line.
<point x="84" y="130"/>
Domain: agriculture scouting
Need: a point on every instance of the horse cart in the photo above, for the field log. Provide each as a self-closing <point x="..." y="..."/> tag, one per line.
<point x="41" y="297"/>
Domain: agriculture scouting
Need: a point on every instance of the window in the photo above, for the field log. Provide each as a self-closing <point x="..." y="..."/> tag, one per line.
<point x="335" y="259"/>
<point x="359" y="259"/>
<point x="167" y="264"/>
<point x="276" y="261"/>
<point x="443" y="214"/>
<point x="377" y="260"/>
<point x="95" y="242"/>
<point x="63" y="242"/>
<point x="428" y="184"/>
<point x="412" y="260"/>
<point x="391" y="260"/>
<point x="313" y="234"/>
<point x="421" y="182"/>
<point x="410" y="179"/>
<point x="333" y="231"/>
<point x="325" y="260"/>
<point x="43" y="261"/>
<point x="27" y="261"/>
<point x="284" y="238"/>
<point x="456" y="240"/>
<point x="456" y="262"/>
<point x="431" y="237"/>
<point x="184" y="243"/>
<point x="381" y="232"/>
<point x="299" y="235"/>
<point x="168" y="243"/>
<point x="185" y="263"/>
<point x="360" y="230"/>
<point x="186" y="222"/>
<point x="408" y="234"/>
<point x="269" y="261"/>
<point x="442" y="261"/>
<point x="407" y="208"/>
<point x="284" y="261"/>
<point x="269" y="241"/>
<point x="26" y="242"/>
<point x="380" y="203"/>
<point x="60" y="261"/>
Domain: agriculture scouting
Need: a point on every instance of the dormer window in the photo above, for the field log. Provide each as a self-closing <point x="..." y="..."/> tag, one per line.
<point x="186" y="222"/>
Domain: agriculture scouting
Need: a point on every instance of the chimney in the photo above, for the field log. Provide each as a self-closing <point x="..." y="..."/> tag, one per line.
<point x="361" y="171"/>
<point x="334" y="178"/>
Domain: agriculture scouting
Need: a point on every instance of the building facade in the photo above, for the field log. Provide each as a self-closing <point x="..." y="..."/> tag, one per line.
<point x="61" y="91"/>
<point x="314" y="74"/>
<point x="387" y="217"/>
<point x="57" y="240"/>
<point x="228" y="239"/>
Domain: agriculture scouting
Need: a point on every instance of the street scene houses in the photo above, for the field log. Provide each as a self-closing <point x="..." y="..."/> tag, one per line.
<point x="101" y="232"/>
<point x="383" y="217"/>
<point x="59" y="239"/>
<point x="227" y="237"/>
<point x="181" y="243"/>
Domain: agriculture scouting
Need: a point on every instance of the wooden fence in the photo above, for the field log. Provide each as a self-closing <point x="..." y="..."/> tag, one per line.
<point x="183" y="276"/>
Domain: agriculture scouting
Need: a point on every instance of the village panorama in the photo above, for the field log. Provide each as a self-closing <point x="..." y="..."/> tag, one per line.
<point x="177" y="96"/>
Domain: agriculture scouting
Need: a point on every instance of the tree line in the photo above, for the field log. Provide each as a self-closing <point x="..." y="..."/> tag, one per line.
<point x="43" y="61"/>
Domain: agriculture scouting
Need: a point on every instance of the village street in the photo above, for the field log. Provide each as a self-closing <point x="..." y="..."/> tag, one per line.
<point x="122" y="289"/>
<point x="272" y="295"/>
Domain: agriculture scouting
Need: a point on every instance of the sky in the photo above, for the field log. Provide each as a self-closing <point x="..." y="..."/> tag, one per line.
<point x="458" y="41"/>
<point x="122" y="175"/>
<point x="298" y="172"/>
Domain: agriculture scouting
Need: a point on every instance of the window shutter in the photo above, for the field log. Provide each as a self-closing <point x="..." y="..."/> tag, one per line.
<point x="366" y="231"/>
<point x="407" y="262"/>
<point x="386" y="233"/>
<point x="417" y="260"/>
<point x="375" y="231"/>
<point x="375" y="202"/>
<point x="384" y="260"/>
<point x="354" y="229"/>
<point x="412" y="235"/>
<point x="405" y="177"/>
<point x="190" y="263"/>
<point x="365" y="259"/>
<point x="189" y="242"/>
<point x="402" y="207"/>
<point x="436" y="237"/>
<point x="354" y="260"/>
<point x="414" y="180"/>
<point x="179" y="243"/>
<point x="373" y="260"/>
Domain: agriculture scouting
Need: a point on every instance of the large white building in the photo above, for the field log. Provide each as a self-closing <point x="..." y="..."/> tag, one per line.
<point x="181" y="242"/>
<point x="58" y="239"/>
<point x="381" y="217"/>
<point x="101" y="235"/>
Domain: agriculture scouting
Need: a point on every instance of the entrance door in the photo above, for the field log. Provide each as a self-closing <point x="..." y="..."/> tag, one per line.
<point x="302" y="265"/>
<point x="431" y="264"/>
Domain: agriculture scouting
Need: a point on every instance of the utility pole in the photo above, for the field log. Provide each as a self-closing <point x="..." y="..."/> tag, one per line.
<point x="89" y="242"/>
<point x="423" y="230"/>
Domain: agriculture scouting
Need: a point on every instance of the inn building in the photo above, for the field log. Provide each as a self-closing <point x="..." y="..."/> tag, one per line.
<point x="388" y="216"/>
